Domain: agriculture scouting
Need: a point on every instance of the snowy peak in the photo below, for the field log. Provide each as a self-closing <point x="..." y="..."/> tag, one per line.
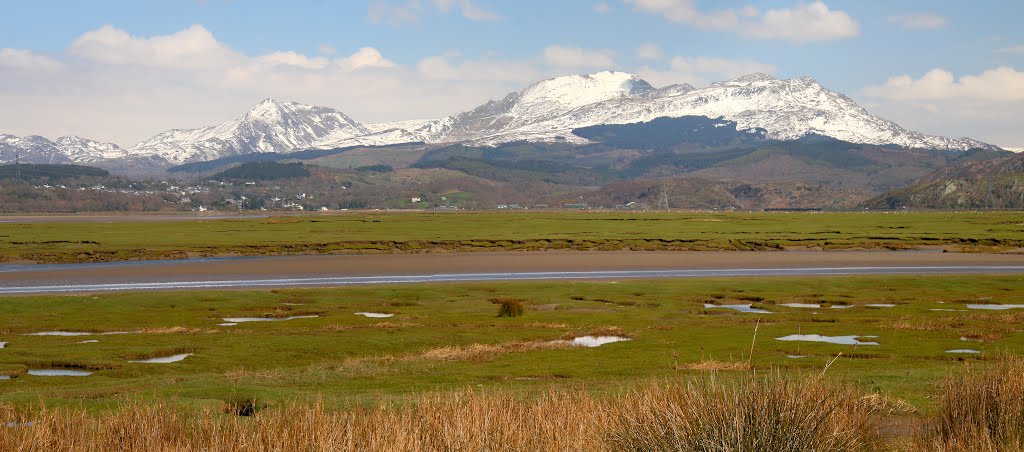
<point x="578" y="90"/>
<point x="68" y="149"/>
<point x="84" y="150"/>
<point x="270" y="126"/>
<point x="749" y="79"/>
<point x="788" y="109"/>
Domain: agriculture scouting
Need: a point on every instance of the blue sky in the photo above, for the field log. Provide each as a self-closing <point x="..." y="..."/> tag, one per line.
<point x="124" y="70"/>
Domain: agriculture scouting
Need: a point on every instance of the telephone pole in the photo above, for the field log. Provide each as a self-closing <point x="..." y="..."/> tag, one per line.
<point x="17" y="165"/>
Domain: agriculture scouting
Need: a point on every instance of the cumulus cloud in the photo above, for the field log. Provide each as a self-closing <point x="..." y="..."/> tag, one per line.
<point x="576" y="57"/>
<point x="919" y="21"/>
<point x="986" y="105"/>
<point x="1002" y="84"/>
<point x="698" y="71"/>
<point x="27" y="60"/>
<point x="191" y="48"/>
<point x="366" y="57"/>
<point x="601" y="7"/>
<point x="115" y="86"/>
<point x="807" y="22"/>
<point x="649" y="51"/>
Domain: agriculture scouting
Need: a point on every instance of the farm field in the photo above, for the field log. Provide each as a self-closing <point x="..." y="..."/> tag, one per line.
<point x="420" y="232"/>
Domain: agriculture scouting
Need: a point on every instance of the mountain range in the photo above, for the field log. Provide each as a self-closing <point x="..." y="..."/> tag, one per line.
<point x="547" y="111"/>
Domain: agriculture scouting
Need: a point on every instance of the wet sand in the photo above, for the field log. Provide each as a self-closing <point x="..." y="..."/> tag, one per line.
<point x="281" y="267"/>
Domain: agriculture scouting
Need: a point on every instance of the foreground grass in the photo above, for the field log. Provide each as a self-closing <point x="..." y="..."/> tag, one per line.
<point x="753" y="413"/>
<point x="980" y="411"/>
<point x="448" y="336"/>
<point x="429" y="232"/>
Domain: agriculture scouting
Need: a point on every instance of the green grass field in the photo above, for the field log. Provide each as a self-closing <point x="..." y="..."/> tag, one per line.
<point x="448" y="336"/>
<point x="424" y="232"/>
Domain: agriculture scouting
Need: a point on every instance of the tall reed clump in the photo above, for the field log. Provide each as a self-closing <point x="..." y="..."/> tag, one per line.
<point x="771" y="413"/>
<point x="509" y="307"/>
<point x="980" y="409"/>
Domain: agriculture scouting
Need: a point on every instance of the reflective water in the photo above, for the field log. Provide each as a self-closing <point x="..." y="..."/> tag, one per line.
<point x="841" y="340"/>
<point x="597" y="341"/>
<point x="163" y="359"/>
<point x="738" y="307"/>
<point x="995" y="307"/>
<point x="374" y="315"/>
<point x="266" y="319"/>
<point x="59" y="372"/>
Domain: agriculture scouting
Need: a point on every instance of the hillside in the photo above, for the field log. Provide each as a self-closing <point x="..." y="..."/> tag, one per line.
<point x="986" y="184"/>
<point x="44" y="172"/>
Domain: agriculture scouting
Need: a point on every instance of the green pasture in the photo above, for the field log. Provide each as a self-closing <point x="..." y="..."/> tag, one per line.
<point x="424" y="232"/>
<point x="347" y="359"/>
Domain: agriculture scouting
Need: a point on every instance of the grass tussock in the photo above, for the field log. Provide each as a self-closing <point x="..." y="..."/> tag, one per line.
<point x="980" y="410"/>
<point x="767" y="413"/>
<point x="509" y="307"/>
<point x="764" y="413"/>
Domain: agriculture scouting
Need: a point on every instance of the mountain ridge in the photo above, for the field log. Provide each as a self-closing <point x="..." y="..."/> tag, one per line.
<point x="545" y="111"/>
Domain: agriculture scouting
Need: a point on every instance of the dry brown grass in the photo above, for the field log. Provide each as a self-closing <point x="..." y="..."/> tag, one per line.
<point x="713" y="365"/>
<point x="771" y="413"/>
<point x="482" y="352"/>
<point x="980" y="410"/>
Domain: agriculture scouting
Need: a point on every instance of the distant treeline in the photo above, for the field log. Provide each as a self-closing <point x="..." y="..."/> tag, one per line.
<point x="263" y="171"/>
<point x="42" y="172"/>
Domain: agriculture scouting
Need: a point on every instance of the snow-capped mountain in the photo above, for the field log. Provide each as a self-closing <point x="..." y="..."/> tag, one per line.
<point x="546" y="111"/>
<point x="788" y="109"/>
<point x="518" y="115"/>
<point x="83" y="150"/>
<point x="271" y="126"/>
<point x="69" y="149"/>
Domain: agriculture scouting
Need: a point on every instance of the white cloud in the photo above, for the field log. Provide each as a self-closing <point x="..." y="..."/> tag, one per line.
<point x="807" y="22"/>
<point x="698" y="71"/>
<point x="192" y="48"/>
<point x="985" y="106"/>
<point x="117" y="87"/>
<point x="576" y="57"/>
<point x="1014" y="49"/>
<point x="649" y="51"/>
<point x="27" y="60"/>
<point x="327" y="50"/>
<point x="366" y="57"/>
<point x="1002" y="84"/>
<point x="919" y="21"/>
<point x="290" y="58"/>
<point x="601" y="7"/>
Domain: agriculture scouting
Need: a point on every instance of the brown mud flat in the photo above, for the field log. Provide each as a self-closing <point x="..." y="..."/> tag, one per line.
<point x="492" y="262"/>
